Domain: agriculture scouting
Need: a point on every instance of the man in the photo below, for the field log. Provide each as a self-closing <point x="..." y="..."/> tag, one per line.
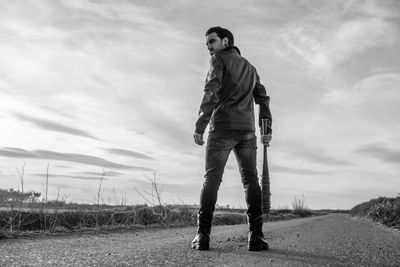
<point x="232" y="86"/>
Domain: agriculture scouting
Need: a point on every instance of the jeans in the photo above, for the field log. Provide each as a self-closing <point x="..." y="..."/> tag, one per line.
<point x="219" y="146"/>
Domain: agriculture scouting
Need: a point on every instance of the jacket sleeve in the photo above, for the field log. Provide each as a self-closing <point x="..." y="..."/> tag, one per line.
<point x="212" y="86"/>
<point x="261" y="98"/>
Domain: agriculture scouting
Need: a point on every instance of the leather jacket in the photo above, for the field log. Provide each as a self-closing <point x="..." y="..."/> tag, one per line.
<point x="231" y="88"/>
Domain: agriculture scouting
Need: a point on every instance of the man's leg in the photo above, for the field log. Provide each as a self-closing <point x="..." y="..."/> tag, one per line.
<point x="246" y="155"/>
<point x="217" y="153"/>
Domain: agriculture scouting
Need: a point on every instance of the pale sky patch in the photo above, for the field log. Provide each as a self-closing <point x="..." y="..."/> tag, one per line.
<point x="323" y="46"/>
<point x="128" y="153"/>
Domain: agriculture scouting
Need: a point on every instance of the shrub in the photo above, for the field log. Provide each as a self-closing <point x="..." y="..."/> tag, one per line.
<point x="386" y="212"/>
<point x="182" y="216"/>
<point x="383" y="210"/>
<point x="300" y="208"/>
<point x="363" y="208"/>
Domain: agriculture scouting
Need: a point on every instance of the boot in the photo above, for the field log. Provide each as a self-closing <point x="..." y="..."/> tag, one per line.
<point x="256" y="241"/>
<point x="202" y="239"/>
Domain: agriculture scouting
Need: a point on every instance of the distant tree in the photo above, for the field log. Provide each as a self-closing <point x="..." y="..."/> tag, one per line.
<point x="11" y="196"/>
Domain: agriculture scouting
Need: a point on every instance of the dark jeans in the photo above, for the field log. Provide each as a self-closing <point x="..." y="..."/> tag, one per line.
<point x="219" y="145"/>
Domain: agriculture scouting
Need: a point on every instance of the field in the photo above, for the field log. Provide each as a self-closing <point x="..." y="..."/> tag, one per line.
<point x="14" y="222"/>
<point x="27" y="213"/>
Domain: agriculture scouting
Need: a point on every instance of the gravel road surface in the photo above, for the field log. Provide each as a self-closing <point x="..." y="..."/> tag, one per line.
<point x="331" y="240"/>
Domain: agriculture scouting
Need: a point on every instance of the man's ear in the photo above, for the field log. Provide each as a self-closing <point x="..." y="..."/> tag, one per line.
<point x="225" y="41"/>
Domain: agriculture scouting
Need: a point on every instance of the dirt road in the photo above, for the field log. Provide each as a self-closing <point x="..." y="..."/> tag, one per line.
<point x="334" y="240"/>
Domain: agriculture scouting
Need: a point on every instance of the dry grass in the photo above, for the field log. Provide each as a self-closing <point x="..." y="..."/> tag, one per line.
<point x="22" y="211"/>
<point x="300" y="207"/>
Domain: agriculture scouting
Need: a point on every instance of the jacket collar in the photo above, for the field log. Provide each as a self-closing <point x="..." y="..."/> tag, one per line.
<point x="232" y="47"/>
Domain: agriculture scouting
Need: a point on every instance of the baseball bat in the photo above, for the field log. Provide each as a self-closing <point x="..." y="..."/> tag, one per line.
<point x="265" y="181"/>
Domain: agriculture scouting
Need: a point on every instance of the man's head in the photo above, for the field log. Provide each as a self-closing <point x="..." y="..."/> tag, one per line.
<point x="218" y="38"/>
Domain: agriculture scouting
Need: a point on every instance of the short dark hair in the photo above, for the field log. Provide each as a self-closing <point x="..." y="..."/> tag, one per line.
<point x="222" y="33"/>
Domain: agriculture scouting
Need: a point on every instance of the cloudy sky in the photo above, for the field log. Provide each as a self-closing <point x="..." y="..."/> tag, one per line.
<point x="87" y="86"/>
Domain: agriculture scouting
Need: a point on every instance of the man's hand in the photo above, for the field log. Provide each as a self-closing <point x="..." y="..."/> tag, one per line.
<point x="198" y="139"/>
<point x="265" y="139"/>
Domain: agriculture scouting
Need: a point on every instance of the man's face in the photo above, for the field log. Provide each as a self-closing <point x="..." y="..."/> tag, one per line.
<point x="214" y="43"/>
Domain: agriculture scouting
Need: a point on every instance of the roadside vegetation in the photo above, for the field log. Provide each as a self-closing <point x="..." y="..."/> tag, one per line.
<point x="384" y="210"/>
<point x="26" y="213"/>
<point x="33" y="213"/>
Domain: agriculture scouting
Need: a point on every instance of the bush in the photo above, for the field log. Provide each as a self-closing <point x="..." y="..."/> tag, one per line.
<point x="363" y="208"/>
<point x="300" y="208"/>
<point x="383" y="210"/>
<point x="386" y="212"/>
<point x="182" y="216"/>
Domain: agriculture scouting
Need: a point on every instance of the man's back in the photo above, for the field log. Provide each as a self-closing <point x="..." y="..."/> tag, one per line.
<point x="235" y="107"/>
<point x="232" y="86"/>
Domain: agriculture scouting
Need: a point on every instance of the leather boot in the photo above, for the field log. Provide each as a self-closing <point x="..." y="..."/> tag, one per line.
<point x="202" y="239"/>
<point x="256" y="241"/>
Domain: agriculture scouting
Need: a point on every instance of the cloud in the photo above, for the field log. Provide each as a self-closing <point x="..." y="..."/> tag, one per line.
<point x="325" y="46"/>
<point x="299" y="41"/>
<point x="62" y="166"/>
<point x="376" y="8"/>
<point x="319" y="156"/>
<point x="79" y="177"/>
<point x="90" y="176"/>
<point x="358" y="35"/>
<point x="99" y="174"/>
<point x="129" y="153"/>
<point x="167" y="130"/>
<point x="172" y="132"/>
<point x="283" y="169"/>
<point x="373" y="101"/>
<point x="380" y="151"/>
<point x="78" y="158"/>
<point x="52" y="126"/>
<point x="96" y="49"/>
<point x="295" y="149"/>
<point x="56" y="110"/>
<point x="327" y="35"/>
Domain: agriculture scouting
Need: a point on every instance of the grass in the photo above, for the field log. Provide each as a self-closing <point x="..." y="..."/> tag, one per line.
<point x="384" y="210"/>
<point x="48" y="219"/>
<point x="20" y="221"/>
<point x="22" y="212"/>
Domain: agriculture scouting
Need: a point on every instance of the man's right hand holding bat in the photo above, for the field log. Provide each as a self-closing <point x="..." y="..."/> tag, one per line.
<point x="265" y="139"/>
